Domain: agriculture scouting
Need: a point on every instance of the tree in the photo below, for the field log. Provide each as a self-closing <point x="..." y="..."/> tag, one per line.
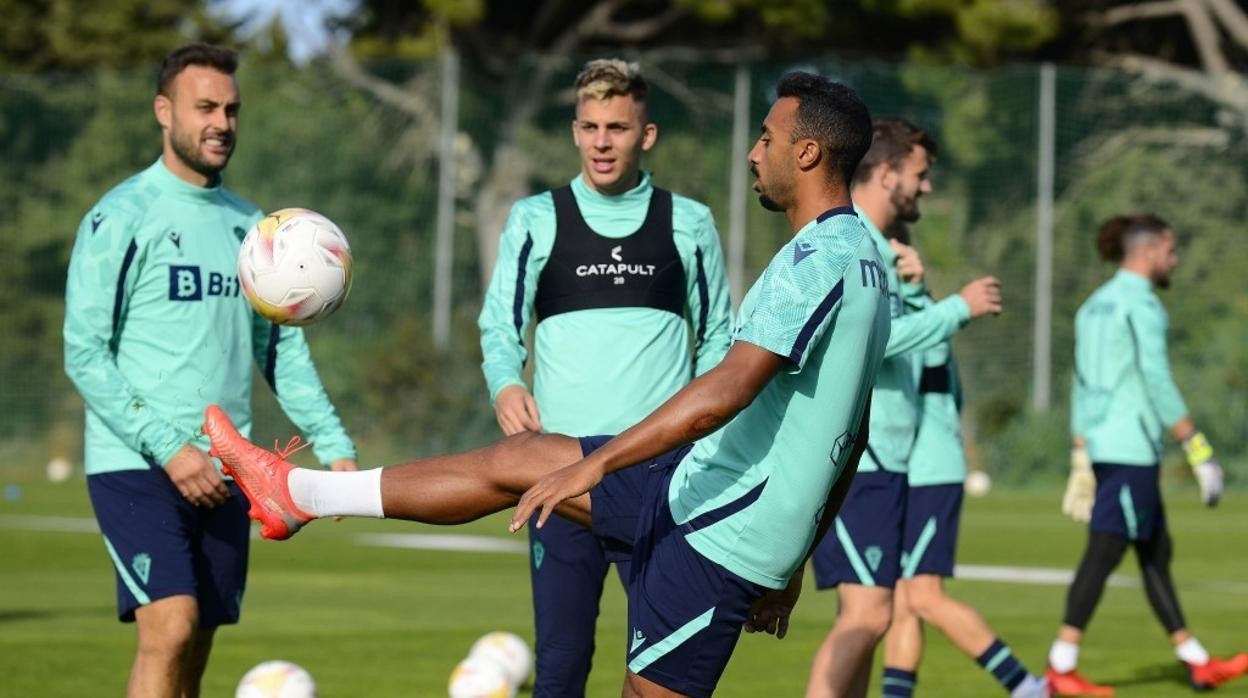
<point x="521" y="46"/>
<point x="1200" y="45"/>
<point x="80" y="35"/>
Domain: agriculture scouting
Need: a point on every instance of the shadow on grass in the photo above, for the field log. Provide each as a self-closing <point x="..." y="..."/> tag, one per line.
<point x="1159" y="674"/>
<point x="22" y="614"/>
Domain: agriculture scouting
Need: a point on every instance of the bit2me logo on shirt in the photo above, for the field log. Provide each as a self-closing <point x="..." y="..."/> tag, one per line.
<point x="187" y="283"/>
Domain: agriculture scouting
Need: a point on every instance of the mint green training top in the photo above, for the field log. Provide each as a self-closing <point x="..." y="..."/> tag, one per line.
<point x="895" y="404"/>
<point x="751" y="495"/>
<point x="1124" y="396"/>
<point x="156" y="328"/>
<point x="601" y="370"/>
<point x="938" y="457"/>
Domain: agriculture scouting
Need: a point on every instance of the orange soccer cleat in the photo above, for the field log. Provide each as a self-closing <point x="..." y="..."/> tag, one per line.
<point x="1216" y="672"/>
<point x="1072" y="683"/>
<point x="261" y="474"/>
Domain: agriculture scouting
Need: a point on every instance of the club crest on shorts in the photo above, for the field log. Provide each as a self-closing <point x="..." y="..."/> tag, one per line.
<point x="142" y="566"/>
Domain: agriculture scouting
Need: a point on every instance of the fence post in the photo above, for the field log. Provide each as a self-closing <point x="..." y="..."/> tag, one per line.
<point x="444" y="242"/>
<point x="1042" y="334"/>
<point x="737" y="182"/>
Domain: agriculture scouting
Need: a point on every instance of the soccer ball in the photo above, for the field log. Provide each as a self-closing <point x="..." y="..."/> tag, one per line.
<point x="509" y="652"/>
<point x="295" y="266"/>
<point x="978" y="483"/>
<point x="478" y="677"/>
<point x="276" y="679"/>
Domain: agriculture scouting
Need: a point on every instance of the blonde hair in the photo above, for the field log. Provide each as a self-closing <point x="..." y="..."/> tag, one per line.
<point x="610" y="77"/>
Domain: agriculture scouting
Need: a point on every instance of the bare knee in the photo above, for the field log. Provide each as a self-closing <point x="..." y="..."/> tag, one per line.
<point x="870" y="614"/>
<point x="924" y="596"/>
<point x="167" y="635"/>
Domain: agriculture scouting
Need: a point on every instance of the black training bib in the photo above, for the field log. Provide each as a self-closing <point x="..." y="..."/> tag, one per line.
<point x="587" y="270"/>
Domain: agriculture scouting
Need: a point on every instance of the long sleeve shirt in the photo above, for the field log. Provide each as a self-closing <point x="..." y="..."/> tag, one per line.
<point x="156" y="328"/>
<point x="599" y="371"/>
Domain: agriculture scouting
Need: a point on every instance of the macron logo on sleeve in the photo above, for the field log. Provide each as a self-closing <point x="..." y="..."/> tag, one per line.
<point x="801" y="251"/>
<point x="96" y="219"/>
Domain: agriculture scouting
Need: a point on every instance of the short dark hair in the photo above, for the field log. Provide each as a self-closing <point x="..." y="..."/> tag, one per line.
<point x="892" y="139"/>
<point x="197" y="53"/>
<point x="1116" y="236"/>
<point x="831" y="114"/>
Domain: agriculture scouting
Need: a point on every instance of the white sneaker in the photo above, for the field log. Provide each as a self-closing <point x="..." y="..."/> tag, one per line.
<point x="1031" y="687"/>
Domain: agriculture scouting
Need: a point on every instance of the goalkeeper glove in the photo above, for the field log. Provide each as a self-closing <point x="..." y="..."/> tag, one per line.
<point x="1208" y="472"/>
<point x="1080" y="487"/>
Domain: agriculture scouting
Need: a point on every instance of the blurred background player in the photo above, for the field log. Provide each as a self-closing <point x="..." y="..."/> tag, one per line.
<point x="1124" y="397"/>
<point x="631" y="302"/>
<point x="155" y="330"/>
<point x="936" y="476"/>
<point x="721" y="492"/>
<point x="861" y="555"/>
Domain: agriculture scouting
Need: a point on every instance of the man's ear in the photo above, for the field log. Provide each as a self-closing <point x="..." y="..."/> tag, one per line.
<point x="162" y="106"/>
<point x="809" y="154"/>
<point x="649" y="135"/>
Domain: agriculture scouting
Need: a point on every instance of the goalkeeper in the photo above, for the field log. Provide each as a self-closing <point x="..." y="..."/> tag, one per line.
<point x="1124" y="398"/>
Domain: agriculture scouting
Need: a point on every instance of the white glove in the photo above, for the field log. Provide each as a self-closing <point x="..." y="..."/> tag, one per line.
<point x="1207" y="470"/>
<point x="1080" y="487"/>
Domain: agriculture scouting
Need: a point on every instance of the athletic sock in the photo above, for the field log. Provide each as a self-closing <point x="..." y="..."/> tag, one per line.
<point x="1004" y="666"/>
<point x="1063" y="656"/>
<point x="1192" y="652"/>
<point x="322" y="493"/>
<point x="899" y="683"/>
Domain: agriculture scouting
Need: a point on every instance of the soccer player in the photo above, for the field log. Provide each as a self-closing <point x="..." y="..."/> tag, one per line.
<point x="935" y="477"/>
<point x="632" y="302"/>
<point x="155" y="330"/>
<point x="862" y="557"/>
<point x="733" y="475"/>
<point x="1124" y="398"/>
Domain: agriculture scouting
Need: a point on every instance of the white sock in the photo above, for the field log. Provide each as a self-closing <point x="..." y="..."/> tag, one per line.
<point x="324" y="493"/>
<point x="1192" y="652"/>
<point x="1063" y="656"/>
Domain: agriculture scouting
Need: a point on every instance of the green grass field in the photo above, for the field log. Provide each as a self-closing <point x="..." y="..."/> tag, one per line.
<point x="375" y="621"/>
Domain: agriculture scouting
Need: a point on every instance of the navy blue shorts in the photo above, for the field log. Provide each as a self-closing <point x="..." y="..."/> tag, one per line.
<point x="930" y="539"/>
<point x="863" y="545"/>
<point x="685" y="612"/>
<point x="161" y="545"/>
<point x="1128" y="501"/>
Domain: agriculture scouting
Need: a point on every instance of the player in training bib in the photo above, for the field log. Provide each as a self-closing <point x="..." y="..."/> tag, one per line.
<point x="1124" y="398"/>
<point x="733" y="478"/>
<point x="631" y="300"/>
<point x="155" y="330"/>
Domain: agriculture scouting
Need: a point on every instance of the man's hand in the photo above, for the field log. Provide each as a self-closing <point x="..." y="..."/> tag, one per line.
<point x="770" y="612"/>
<point x="909" y="264"/>
<point x="563" y="484"/>
<point x="344" y="465"/>
<point x="983" y="296"/>
<point x="195" y="476"/>
<point x="516" y="410"/>
<point x="1080" y="487"/>
<point x="1207" y="470"/>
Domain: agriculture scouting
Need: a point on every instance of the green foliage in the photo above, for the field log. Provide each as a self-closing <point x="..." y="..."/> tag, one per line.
<point x="308" y="139"/>
<point x="79" y="35"/>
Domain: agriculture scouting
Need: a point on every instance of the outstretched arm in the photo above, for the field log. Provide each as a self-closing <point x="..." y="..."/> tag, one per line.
<point x="699" y="409"/>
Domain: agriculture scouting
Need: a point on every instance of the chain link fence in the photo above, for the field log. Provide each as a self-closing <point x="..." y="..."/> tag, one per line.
<point x="1032" y="159"/>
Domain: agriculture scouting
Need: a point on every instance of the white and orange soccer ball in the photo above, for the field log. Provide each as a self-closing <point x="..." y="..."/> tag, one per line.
<point x="295" y="266"/>
<point x="508" y="651"/>
<point x="276" y="679"/>
<point x="479" y="677"/>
